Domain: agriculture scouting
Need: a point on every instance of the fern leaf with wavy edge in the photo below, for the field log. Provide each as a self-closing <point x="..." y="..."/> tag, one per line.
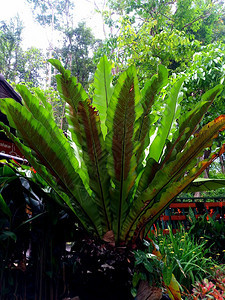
<point x="40" y="113"/>
<point x="95" y="158"/>
<point x="72" y="92"/>
<point x="45" y="117"/>
<point x="123" y="112"/>
<point x="84" y="126"/>
<point x="55" y="157"/>
<point x="49" y="179"/>
<point x="148" y="95"/>
<point x="158" y="144"/>
<point x="103" y="90"/>
<point x="172" y="172"/>
<point x="167" y="196"/>
<point x="188" y="123"/>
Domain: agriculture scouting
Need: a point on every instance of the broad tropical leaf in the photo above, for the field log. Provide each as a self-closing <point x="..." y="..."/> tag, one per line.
<point x="173" y="286"/>
<point x="84" y="122"/>
<point x="188" y="123"/>
<point x="172" y="175"/>
<point x="52" y="154"/>
<point x="148" y="96"/>
<point x="103" y="90"/>
<point x="171" y="190"/>
<point x="95" y="158"/>
<point x="173" y="289"/>
<point x="205" y="184"/>
<point x="72" y="92"/>
<point x="158" y="144"/>
<point x="40" y="113"/>
<point x="123" y="112"/>
<point x="68" y="87"/>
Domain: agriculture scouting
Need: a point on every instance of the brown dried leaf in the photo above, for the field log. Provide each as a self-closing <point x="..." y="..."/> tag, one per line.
<point x="109" y="238"/>
<point x="146" y="292"/>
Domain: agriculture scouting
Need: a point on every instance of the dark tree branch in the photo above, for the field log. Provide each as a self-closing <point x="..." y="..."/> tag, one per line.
<point x="197" y="19"/>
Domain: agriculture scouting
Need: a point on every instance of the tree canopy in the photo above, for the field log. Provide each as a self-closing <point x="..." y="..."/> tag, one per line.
<point x="16" y="64"/>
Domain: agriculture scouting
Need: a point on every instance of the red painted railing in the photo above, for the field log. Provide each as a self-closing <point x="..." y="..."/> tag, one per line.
<point x="178" y="212"/>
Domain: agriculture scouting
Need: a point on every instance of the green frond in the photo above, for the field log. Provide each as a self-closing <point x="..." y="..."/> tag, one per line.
<point x="95" y="159"/>
<point x="173" y="172"/>
<point x="123" y="112"/>
<point x="168" y="194"/>
<point x="103" y="90"/>
<point x="188" y="123"/>
<point x="148" y="96"/>
<point x="54" y="154"/>
<point x="158" y="144"/>
<point x="72" y="92"/>
<point x="39" y="112"/>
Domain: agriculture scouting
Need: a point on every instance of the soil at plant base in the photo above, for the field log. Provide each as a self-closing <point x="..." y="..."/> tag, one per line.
<point x="99" y="271"/>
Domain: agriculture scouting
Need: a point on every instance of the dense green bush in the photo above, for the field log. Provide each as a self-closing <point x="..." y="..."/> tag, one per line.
<point x="211" y="231"/>
<point x="190" y="261"/>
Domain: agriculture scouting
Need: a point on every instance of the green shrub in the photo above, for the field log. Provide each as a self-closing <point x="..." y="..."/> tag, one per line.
<point x="187" y="258"/>
<point x="211" y="231"/>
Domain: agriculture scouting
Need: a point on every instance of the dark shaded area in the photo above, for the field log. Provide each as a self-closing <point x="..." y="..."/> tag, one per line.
<point x="101" y="271"/>
<point x="38" y="264"/>
<point x="6" y="91"/>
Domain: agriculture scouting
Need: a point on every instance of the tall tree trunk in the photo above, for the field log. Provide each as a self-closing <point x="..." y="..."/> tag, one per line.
<point x="51" y="46"/>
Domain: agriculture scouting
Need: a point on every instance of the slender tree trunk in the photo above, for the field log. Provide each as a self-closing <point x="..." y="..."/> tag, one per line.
<point x="102" y="16"/>
<point x="51" y="46"/>
<point x="222" y="164"/>
<point x="205" y="156"/>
